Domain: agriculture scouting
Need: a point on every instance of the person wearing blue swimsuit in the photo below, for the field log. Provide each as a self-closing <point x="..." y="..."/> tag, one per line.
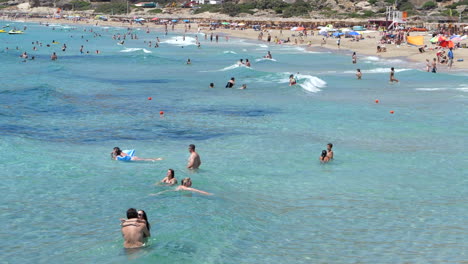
<point x="128" y="155"/>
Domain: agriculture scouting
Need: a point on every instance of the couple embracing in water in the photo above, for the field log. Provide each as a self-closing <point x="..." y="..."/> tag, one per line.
<point x="327" y="155"/>
<point x="135" y="229"/>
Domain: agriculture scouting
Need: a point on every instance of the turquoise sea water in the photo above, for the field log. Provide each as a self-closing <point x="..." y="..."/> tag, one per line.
<point x="395" y="193"/>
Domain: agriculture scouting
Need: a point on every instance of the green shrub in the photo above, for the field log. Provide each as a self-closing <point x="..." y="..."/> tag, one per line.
<point x="208" y="8"/>
<point x="80" y="5"/>
<point x="429" y="5"/>
<point x="372" y="2"/>
<point x="112" y="8"/>
<point x="155" y="11"/>
<point x="298" y="8"/>
<point x="230" y="9"/>
<point x="368" y="13"/>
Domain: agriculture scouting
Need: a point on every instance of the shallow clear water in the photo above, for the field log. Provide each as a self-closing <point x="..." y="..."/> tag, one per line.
<point x="396" y="191"/>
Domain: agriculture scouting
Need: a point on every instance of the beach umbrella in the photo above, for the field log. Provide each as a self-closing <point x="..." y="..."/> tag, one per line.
<point x="456" y="39"/>
<point x="345" y="30"/>
<point x="174" y="20"/>
<point x="441" y="38"/>
<point x="293" y="29"/>
<point x="241" y="24"/>
<point x="354" y="33"/>
<point x="154" y="19"/>
<point x="434" y="40"/>
<point x="454" y="36"/>
<point x="300" y="29"/>
<point x="225" y="23"/>
<point x="186" y="21"/>
<point x="336" y="34"/>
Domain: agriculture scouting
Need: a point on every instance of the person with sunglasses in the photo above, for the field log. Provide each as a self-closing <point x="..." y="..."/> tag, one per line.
<point x="134" y="230"/>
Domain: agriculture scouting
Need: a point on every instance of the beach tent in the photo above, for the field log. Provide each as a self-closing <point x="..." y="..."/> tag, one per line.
<point x="354" y="33"/>
<point x="415" y="40"/>
<point x="434" y="39"/>
<point x="447" y="44"/>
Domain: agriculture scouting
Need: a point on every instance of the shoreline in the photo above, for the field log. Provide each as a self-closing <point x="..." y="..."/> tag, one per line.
<point x="366" y="47"/>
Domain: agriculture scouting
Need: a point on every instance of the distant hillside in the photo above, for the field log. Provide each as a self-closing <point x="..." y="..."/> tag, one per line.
<point x="336" y="9"/>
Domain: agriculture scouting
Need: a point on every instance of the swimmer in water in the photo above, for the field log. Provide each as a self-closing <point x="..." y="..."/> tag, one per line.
<point x="323" y="157"/>
<point x="292" y="80"/>
<point x="211" y="85"/>
<point x="330" y="151"/>
<point x="268" y="56"/>
<point x="54" y="56"/>
<point x="118" y="154"/>
<point x="188" y="62"/>
<point x="231" y="83"/>
<point x="194" y="160"/>
<point x="358" y="74"/>
<point x="392" y="75"/>
<point x="170" y="178"/>
<point x="247" y="63"/>
<point x="243" y="87"/>
<point x="186" y="185"/>
<point x="241" y="62"/>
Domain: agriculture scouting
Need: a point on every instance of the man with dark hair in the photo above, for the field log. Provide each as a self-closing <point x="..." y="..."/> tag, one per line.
<point x="330" y="151"/>
<point x="133" y="230"/>
<point x="194" y="160"/>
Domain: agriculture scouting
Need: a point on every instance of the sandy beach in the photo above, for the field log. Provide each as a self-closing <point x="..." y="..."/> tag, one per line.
<point x="367" y="46"/>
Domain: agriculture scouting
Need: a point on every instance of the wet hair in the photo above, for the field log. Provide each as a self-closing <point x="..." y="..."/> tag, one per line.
<point x="185" y="180"/>
<point x="291" y="76"/>
<point x="192" y="146"/>
<point x="323" y="155"/>
<point x="211" y="84"/>
<point x="232" y="79"/>
<point x="359" y="70"/>
<point x="118" y="151"/>
<point x="330" y="144"/>
<point x="132" y="213"/>
<point x="172" y="173"/>
<point x="392" y="69"/>
<point x="146" y="219"/>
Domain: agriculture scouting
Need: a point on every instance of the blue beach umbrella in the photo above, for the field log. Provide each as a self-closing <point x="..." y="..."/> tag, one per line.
<point x="174" y="20"/>
<point x="353" y="33"/>
<point x="336" y="34"/>
<point x="186" y="21"/>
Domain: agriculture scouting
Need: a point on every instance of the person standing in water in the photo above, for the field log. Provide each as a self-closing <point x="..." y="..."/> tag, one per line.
<point x="434" y="66"/>
<point x="330" y="151"/>
<point x="354" y="58"/>
<point x="323" y="157"/>
<point x="133" y="230"/>
<point x="292" y="80"/>
<point x="392" y="75"/>
<point x="54" y="56"/>
<point x="231" y="83"/>
<point x="358" y="74"/>
<point x="194" y="160"/>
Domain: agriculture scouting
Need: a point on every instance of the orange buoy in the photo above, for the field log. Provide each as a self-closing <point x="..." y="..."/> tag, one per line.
<point x="392" y="112"/>
<point x="377" y="101"/>
<point x="150" y="98"/>
<point x="161" y="112"/>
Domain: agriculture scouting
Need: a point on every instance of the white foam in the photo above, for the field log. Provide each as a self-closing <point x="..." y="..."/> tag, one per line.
<point x="465" y="89"/>
<point x="229" y="52"/>
<point x="431" y="89"/>
<point x="264" y="59"/>
<point x="378" y="70"/>
<point x="372" y="58"/>
<point x="263" y="46"/>
<point x="179" y="41"/>
<point x="311" y="84"/>
<point x="136" y="49"/>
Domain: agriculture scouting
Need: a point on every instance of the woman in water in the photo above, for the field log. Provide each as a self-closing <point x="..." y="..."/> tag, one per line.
<point x="170" y="178"/>
<point x="231" y="83"/>
<point x="142" y="217"/>
<point x="354" y="58"/>
<point x="186" y="184"/>
<point x="323" y="157"/>
<point x="292" y="80"/>
<point x="118" y="154"/>
<point x="358" y="74"/>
